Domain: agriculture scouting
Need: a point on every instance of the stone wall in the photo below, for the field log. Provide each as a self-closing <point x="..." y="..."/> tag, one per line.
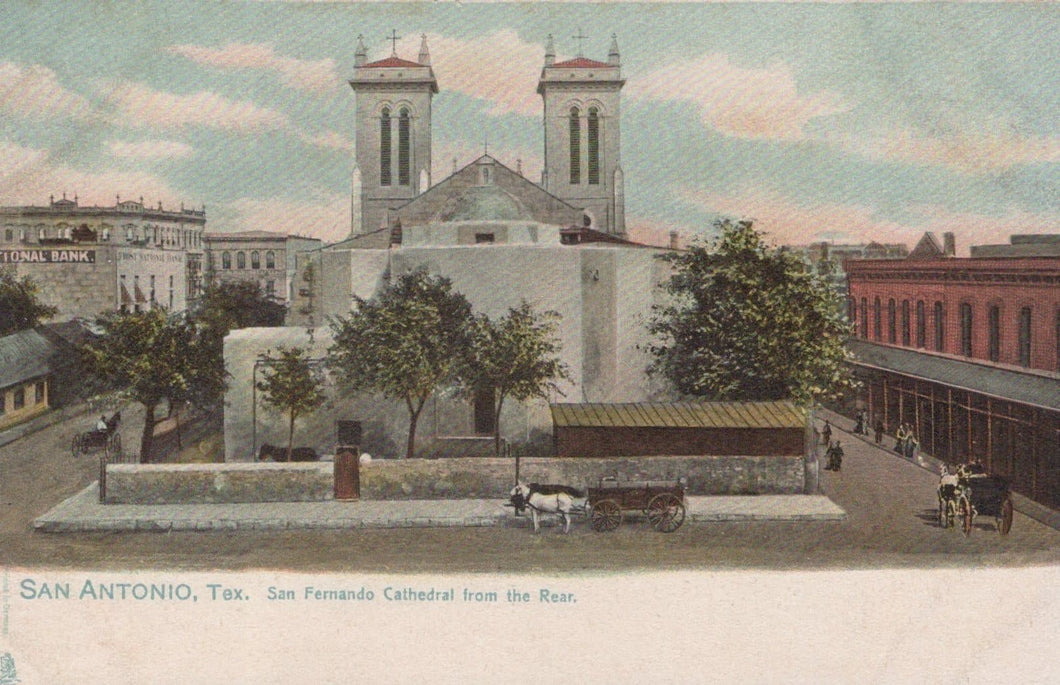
<point x="218" y="483"/>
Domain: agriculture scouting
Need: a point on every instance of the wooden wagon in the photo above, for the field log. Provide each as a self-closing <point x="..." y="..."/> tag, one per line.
<point x="977" y="494"/>
<point x="662" y="501"/>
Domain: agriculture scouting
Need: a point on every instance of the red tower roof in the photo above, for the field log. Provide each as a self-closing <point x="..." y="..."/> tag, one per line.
<point x="581" y="63"/>
<point x="393" y="61"/>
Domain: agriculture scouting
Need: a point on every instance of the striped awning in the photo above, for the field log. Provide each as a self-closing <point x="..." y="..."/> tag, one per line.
<point x="680" y="415"/>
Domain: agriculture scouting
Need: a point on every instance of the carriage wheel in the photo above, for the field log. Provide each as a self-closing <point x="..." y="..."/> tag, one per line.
<point x="1004" y="519"/>
<point x="666" y="513"/>
<point x="75" y="446"/>
<point x="966" y="514"/>
<point x="606" y="516"/>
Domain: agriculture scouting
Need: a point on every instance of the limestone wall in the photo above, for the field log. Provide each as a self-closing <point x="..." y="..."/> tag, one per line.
<point x="218" y="483"/>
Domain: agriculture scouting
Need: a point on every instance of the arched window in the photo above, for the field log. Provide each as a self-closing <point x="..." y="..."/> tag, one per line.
<point x="593" y="141"/>
<point x="865" y="318"/>
<point x="1025" y="336"/>
<point x="270" y="260"/>
<point x="226" y="260"/>
<point x="255" y="260"/>
<point x="892" y="321"/>
<point x="241" y="260"/>
<point x="852" y="312"/>
<point x="403" y="147"/>
<point x="940" y="328"/>
<point x="905" y="323"/>
<point x="877" y="332"/>
<point x="9" y="235"/>
<point x="921" y="324"/>
<point x="384" y="147"/>
<point x="575" y="147"/>
<point x="994" y="333"/>
<point x="966" y="329"/>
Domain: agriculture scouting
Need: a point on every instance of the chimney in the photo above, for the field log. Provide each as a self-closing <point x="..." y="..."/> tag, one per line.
<point x="949" y="244"/>
<point x="674" y="243"/>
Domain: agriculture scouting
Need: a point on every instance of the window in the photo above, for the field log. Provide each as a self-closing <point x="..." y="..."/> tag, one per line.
<point x="865" y="318"/>
<point x="255" y="260"/>
<point x="226" y="260"/>
<point x="994" y="333"/>
<point x="940" y="328"/>
<point x="921" y="324"/>
<point x="483" y="238"/>
<point x="594" y="146"/>
<point x="3" y="403"/>
<point x="9" y="235"/>
<point x="575" y="147"/>
<point x="384" y="147"/>
<point x="38" y="392"/>
<point x="877" y="332"/>
<point x="270" y="260"/>
<point x="905" y="323"/>
<point x="892" y="322"/>
<point x="241" y="260"/>
<point x="1025" y="336"/>
<point x="403" y="147"/>
<point x="966" y="329"/>
<point x="19" y="398"/>
<point x="852" y="312"/>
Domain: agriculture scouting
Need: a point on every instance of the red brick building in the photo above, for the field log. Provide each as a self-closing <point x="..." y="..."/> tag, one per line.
<point x="967" y="351"/>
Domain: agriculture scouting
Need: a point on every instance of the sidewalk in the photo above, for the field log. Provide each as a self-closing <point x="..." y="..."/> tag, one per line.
<point x="84" y="513"/>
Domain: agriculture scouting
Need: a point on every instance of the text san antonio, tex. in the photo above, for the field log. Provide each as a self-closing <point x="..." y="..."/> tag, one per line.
<point x="96" y="590"/>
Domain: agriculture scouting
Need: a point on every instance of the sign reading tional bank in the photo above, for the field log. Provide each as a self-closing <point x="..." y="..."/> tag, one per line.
<point x="47" y="256"/>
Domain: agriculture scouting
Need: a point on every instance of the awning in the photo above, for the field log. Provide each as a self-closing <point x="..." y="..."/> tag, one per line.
<point x="680" y="415"/>
<point x="125" y="297"/>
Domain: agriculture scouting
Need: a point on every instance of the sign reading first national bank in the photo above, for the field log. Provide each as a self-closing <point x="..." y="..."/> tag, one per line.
<point x="47" y="256"/>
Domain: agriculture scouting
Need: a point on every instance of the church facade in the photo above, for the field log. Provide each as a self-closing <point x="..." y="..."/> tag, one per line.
<point x="500" y="237"/>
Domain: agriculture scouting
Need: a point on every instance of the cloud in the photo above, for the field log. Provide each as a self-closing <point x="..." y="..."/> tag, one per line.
<point x="970" y="152"/>
<point x="35" y="91"/>
<point x="736" y="101"/>
<point x="150" y="149"/>
<point x="500" y="68"/>
<point x="318" y="76"/>
<point x="329" y="140"/>
<point x="146" y="107"/>
<point x="326" y="217"/>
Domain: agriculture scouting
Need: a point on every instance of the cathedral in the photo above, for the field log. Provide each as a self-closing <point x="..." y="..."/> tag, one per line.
<point x="501" y="238"/>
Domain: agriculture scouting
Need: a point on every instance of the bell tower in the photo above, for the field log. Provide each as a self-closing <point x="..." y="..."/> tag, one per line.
<point x="583" y="135"/>
<point x="393" y="131"/>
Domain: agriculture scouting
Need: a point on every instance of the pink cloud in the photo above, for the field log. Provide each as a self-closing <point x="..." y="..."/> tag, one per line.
<point x="737" y="101"/>
<point x="329" y="140"/>
<point x="144" y="106"/>
<point x="35" y="91"/>
<point x="319" y="76"/>
<point x="972" y="152"/>
<point x="326" y="216"/>
<point x="150" y="149"/>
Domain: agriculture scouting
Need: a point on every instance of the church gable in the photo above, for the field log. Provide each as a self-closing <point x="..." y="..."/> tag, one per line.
<point x="487" y="190"/>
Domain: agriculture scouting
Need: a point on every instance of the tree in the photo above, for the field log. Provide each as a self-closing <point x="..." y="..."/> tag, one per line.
<point x="748" y="322"/>
<point x="291" y="384"/>
<point x="20" y="305"/>
<point x="515" y="356"/>
<point x="403" y="344"/>
<point x="146" y="356"/>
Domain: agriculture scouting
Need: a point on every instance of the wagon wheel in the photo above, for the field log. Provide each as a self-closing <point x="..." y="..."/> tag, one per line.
<point x="1004" y="518"/>
<point x="666" y="513"/>
<point x="966" y="514"/>
<point x="606" y="515"/>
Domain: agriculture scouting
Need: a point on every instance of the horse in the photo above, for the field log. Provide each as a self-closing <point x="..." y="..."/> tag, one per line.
<point x="548" y="499"/>
<point x="275" y="453"/>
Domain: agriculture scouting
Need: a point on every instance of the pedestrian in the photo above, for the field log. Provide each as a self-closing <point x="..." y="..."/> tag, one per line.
<point x="900" y="436"/>
<point x="835" y="457"/>
<point x="826" y="433"/>
<point x="859" y="427"/>
<point x="879" y="431"/>
<point x="911" y="445"/>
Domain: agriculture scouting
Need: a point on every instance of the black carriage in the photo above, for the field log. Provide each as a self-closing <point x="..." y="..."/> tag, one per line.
<point x="662" y="501"/>
<point x="976" y="493"/>
<point x="108" y="440"/>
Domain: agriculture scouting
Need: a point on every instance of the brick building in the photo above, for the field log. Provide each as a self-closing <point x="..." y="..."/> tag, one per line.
<point x="967" y="351"/>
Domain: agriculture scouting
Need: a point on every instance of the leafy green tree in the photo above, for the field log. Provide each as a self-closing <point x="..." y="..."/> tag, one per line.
<point x="20" y="305"/>
<point x="145" y="355"/>
<point x="403" y="344"/>
<point x="514" y="357"/>
<point x="291" y="385"/>
<point x="748" y="322"/>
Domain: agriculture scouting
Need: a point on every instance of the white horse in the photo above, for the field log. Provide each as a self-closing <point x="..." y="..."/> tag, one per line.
<point x="548" y="499"/>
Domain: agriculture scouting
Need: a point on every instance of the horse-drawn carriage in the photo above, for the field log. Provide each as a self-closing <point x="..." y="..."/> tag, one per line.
<point x="971" y="492"/>
<point x="662" y="501"/>
<point x="107" y="439"/>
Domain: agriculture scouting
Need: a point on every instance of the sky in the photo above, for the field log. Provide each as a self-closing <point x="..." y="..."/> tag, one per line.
<point x="838" y="122"/>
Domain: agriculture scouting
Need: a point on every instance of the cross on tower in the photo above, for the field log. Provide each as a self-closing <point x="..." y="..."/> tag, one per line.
<point x="393" y="38"/>
<point x="579" y="38"/>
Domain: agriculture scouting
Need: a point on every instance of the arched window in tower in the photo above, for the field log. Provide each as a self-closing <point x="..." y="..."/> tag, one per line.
<point x="384" y="147"/>
<point x="403" y="147"/>
<point x="905" y="323"/>
<point x="594" y="146"/>
<point x="575" y="147"/>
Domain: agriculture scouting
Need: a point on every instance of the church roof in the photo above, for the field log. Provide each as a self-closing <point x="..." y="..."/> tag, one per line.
<point x="485" y="203"/>
<point x="581" y="63"/>
<point x="392" y="61"/>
